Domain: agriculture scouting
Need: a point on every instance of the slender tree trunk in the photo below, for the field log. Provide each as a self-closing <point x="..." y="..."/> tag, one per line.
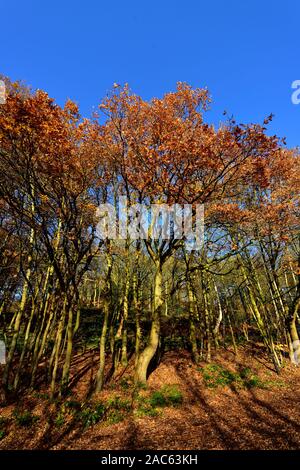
<point x="193" y="336"/>
<point x="137" y="303"/>
<point x="125" y="319"/>
<point x="206" y="318"/>
<point x="68" y="356"/>
<point x="56" y="348"/>
<point x="220" y="316"/>
<point x="100" y="373"/>
<point x="106" y="311"/>
<point x="26" y="341"/>
<point x="19" y="315"/>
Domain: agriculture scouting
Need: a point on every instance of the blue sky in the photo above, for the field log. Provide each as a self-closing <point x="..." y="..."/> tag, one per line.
<point x="246" y="53"/>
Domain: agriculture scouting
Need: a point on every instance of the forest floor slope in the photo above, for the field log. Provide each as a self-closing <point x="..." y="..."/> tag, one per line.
<point x="236" y="402"/>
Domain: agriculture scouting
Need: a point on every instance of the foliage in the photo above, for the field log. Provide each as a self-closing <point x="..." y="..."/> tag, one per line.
<point x="215" y="375"/>
<point x="168" y="395"/>
<point x="3" y="423"/>
<point x="149" y="404"/>
<point x="25" y="418"/>
<point x="91" y="414"/>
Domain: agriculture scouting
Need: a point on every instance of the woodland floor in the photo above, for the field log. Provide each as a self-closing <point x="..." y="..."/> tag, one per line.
<point x="266" y="416"/>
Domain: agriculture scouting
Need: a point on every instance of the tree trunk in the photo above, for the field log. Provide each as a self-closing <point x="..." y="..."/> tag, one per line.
<point x="293" y="333"/>
<point x="151" y="348"/>
<point x="100" y="373"/>
<point x="193" y="337"/>
<point x="106" y="308"/>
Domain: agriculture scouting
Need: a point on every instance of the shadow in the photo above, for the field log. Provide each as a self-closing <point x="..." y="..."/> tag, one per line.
<point x="227" y="417"/>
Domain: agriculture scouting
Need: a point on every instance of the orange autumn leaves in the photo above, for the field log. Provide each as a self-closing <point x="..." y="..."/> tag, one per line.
<point x="45" y="150"/>
<point x="161" y="150"/>
<point x="34" y="127"/>
<point x="165" y="151"/>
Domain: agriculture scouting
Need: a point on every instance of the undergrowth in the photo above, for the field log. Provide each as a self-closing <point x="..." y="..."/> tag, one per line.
<point x="148" y="405"/>
<point x="90" y="413"/>
<point x="3" y="422"/>
<point x="25" y="418"/>
<point x="215" y="375"/>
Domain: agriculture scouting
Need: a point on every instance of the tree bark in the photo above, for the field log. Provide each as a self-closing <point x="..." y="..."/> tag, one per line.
<point x="151" y="348"/>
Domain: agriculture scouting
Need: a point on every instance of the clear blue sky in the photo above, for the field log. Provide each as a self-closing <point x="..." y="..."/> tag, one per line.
<point x="246" y="53"/>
